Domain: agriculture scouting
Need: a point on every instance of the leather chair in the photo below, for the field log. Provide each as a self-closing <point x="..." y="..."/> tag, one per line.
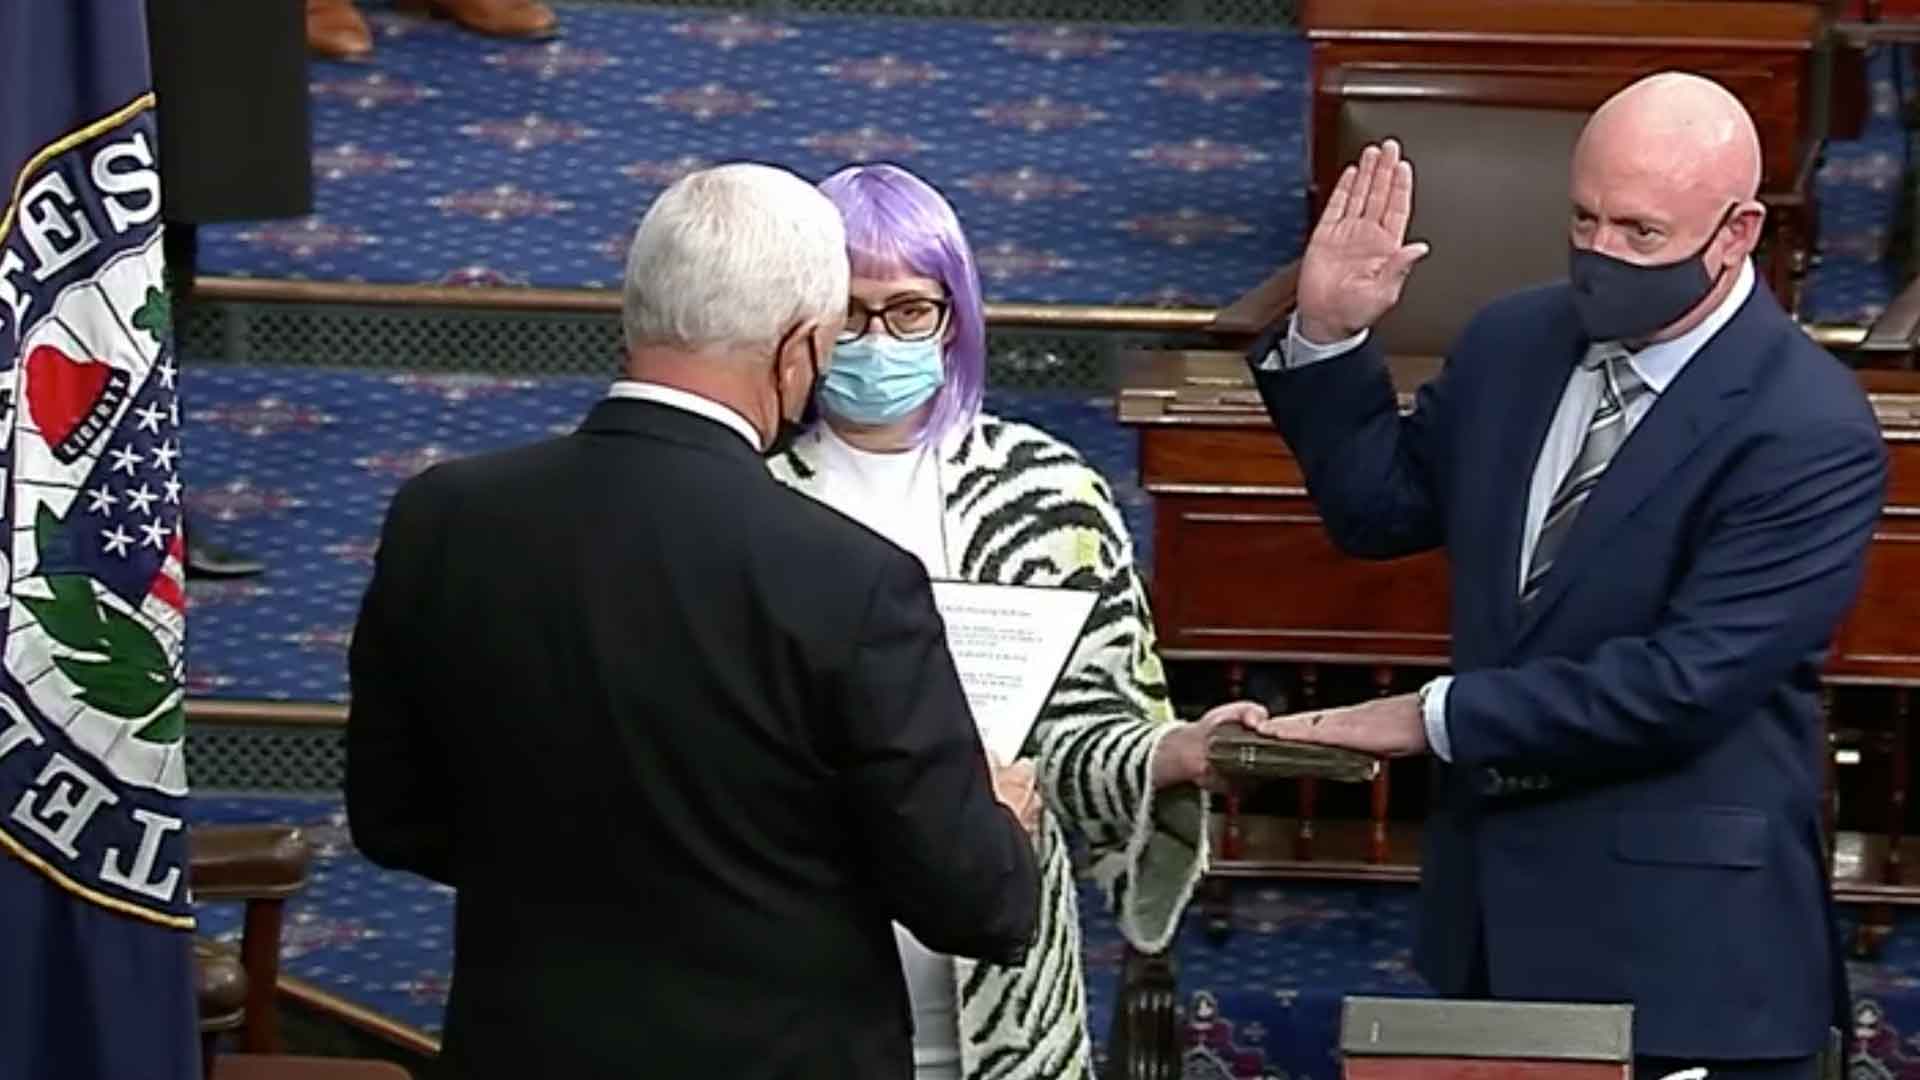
<point x="1490" y="196"/>
<point x="1893" y="341"/>
<point x="221" y="985"/>
<point x="260" y="866"/>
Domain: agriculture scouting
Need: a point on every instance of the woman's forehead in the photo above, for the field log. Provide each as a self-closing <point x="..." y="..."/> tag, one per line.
<point x="880" y="289"/>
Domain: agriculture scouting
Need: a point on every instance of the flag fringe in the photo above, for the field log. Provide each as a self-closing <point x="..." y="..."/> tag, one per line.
<point x="19" y="851"/>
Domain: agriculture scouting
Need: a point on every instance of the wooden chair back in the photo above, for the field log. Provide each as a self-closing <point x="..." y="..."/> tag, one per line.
<point x="1490" y="196"/>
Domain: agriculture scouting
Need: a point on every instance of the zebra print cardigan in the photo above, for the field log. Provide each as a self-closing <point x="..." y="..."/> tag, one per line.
<point x="1023" y="508"/>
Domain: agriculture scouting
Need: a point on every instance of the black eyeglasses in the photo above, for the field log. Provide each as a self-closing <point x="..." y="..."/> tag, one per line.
<point x="907" y="318"/>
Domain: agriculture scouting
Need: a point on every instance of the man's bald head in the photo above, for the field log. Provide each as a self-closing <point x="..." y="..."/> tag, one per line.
<point x="1667" y="170"/>
<point x="1682" y="129"/>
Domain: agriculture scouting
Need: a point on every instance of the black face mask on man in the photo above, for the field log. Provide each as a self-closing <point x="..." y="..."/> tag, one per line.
<point x="1621" y="301"/>
<point x="787" y="430"/>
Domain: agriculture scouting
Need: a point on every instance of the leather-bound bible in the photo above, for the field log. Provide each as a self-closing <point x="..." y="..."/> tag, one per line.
<point x="1240" y="753"/>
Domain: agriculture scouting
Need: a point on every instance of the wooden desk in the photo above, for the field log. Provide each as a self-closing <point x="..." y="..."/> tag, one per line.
<point x="1234" y="529"/>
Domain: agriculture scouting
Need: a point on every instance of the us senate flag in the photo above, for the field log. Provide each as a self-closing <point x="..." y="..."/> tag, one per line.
<point x="95" y="922"/>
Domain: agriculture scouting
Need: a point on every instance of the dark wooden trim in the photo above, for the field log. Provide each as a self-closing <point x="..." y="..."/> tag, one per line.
<point x="607" y="302"/>
<point x="1292" y="656"/>
<point x="402" y="1035"/>
<point x="1845" y="890"/>
<point x="1898" y="328"/>
<point x="273" y="290"/>
<point x="1315" y="870"/>
<point x="260" y="956"/>
<point x="1262" y="306"/>
<point x="1455" y="84"/>
<point x="1355" y="1067"/>
<point x="1868" y="34"/>
<point x="1849" y="892"/>
<point x="1596" y="41"/>
<point x="1656" y="23"/>
<point x="221" y="711"/>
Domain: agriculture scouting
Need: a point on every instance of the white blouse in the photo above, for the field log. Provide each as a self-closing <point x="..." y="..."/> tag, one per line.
<point x="898" y="496"/>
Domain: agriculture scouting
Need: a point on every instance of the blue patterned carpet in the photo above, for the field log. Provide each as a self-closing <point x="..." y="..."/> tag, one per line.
<point x="1263" y="1007"/>
<point x="297" y="466"/>
<point x="1270" y="1000"/>
<point x="1091" y="165"/>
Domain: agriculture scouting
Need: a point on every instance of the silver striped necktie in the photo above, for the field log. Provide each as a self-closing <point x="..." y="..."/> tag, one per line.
<point x="1620" y="387"/>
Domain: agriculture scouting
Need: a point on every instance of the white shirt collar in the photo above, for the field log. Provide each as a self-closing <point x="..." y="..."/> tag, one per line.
<point x="636" y="390"/>
<point x="1660" y="363"/>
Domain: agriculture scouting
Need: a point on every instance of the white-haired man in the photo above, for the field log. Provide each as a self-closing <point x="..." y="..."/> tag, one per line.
<point x="687" y="743"/>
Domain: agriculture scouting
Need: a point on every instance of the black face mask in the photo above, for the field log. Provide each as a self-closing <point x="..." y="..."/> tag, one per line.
<point x="1622" y="301"/>
<point x="789" y="430"/>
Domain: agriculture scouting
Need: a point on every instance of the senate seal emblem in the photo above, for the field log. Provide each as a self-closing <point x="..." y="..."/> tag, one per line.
<point x="92" y="704"/>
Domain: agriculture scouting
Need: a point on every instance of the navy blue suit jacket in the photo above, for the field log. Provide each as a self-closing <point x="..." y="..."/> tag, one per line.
<point x="1665" y="679"/>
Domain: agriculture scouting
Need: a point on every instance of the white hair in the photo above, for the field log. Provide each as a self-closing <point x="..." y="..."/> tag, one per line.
<point x="734" y="256"/>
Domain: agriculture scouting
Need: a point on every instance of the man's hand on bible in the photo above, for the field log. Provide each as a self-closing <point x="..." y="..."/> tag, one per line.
<point x="1384" y="727"/>
<point x="1017" y="787"/>
<point x="1181" y="756"/>
<point x="1357" y="258"/>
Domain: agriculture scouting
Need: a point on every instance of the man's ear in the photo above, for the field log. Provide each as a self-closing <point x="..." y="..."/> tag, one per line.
<point x="1749" y="221"/>
<point x="790" y="354"/>
<point x="814" y="340"/>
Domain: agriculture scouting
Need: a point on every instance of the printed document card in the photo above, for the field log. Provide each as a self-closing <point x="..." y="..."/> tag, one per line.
<point x="1010" y="644"/>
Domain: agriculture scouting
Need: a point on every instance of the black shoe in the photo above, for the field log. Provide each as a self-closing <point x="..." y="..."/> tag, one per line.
<point x="207" y="561"/>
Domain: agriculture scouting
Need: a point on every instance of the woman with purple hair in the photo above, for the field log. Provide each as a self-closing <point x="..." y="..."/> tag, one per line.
<point x="903" y="447"/>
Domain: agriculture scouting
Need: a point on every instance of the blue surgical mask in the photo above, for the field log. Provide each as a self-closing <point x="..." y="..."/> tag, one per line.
<point x="880" y="379"/>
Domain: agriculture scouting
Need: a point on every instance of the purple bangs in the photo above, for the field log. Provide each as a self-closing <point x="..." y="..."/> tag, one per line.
<point x="898" y="225"/>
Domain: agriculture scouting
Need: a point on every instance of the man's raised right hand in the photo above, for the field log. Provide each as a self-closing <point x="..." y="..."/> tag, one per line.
<point x="1358" y="259"/>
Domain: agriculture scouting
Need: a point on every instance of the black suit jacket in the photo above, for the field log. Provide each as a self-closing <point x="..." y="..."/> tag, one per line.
<point x="686" y="743"/>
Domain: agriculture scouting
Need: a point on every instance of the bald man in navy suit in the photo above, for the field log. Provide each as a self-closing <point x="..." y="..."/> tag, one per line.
<point x="1655" y="495"/>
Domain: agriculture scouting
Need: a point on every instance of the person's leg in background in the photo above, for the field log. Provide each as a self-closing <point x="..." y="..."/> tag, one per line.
<point x="205" y="559"/>
<point x="336" y="30"/>
<point x="230" y="79"/>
